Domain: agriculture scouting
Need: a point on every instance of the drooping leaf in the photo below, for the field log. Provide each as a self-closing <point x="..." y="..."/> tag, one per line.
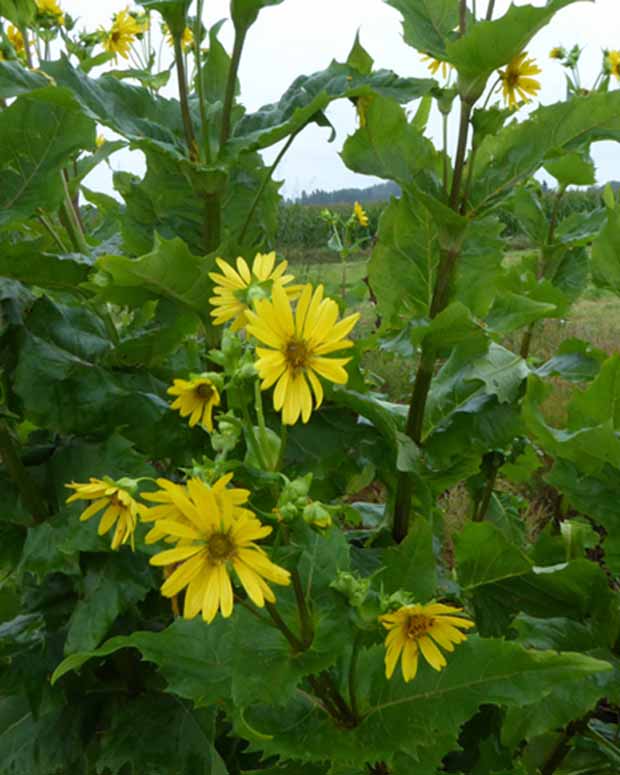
<point x="15" y="79"/>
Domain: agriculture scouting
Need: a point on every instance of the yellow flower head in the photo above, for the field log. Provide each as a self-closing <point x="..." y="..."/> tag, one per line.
<point x="362" y="105"/>
<point x="213" y="542"/>
<point x="557" y="52"/>
<point x="187" y="39"/>
<point x="122" y="34"/>
<point x="517" y="81"/>
<point x="120" y="507"/>
<point x="237" y="291"/>
<point x="16" y="39"/>
<point x="100" y="141"/>
<point x="415" y="628"/>
<point x="613" y="62"/>
<point x="434" y="65"/>
<point x="166" y="508"/>
<point x="358" y="212"/>
<point x="297" y="346"/>
<point x="196" y="398"/>
<point x="51" y="8"/>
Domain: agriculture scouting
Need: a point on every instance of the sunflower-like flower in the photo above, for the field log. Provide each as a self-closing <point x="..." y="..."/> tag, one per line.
<point x="237" y="291"/>
<point x="122" y="34"/>
<point x="415" y="628"/>
<point x="16" y="39"/>
<point x="51" y="9"/>
<point x="166" y="507"/>
<point x="120" y="507"/>
<point x="213" y="542"/>
<point x="360" y="214"/>
<point x="187" y="39"/>
<point x="297" y="347"/>
<point x="517" y="81"/>
<point x="434" y="65"/>
<point x="196" y="398"/>
<point x="557" y="52"/>
<point x="613" y="63"/>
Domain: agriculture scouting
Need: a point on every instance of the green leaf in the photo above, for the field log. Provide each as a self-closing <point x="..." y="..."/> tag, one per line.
<point x="192" y="656"/>
<point x="601" y="401"/>
<point x="428" y="24"/>
<point x="526" y="206"/>
<point x="15" y="79"/>
<point x="575" y="361"/>
<point x="488" y="45"/>
<point x="173" y="11"/>
<point x="512" y="311"/>
<point x="245" y="12"/>
<point x="110" y="587"/>
<point x="39" y="133"/>
<point x="517" y="151"/>
<point x="411" y="564"/>
<point x="170" y="271"/>
<point x="28" y="262"/>
<point x="359" y="58"/>
<point x="606" y="254"/>
<point x="572" y="169"/>
<point x="20" y="12"/>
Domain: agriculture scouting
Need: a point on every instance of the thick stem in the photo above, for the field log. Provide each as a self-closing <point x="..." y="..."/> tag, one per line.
<point x="463" y="17"/>
<point x="461" y="149"/>
<point x="482" y="506"/>
<point x="188" y="127"/>
<point x="71" y="220"/>
<point x="29" y="492"/>
<point x="231" y="84"/>
<point x="268" y="176"/>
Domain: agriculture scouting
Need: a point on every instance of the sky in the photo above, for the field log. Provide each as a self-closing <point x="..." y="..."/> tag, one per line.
<point x="303" y="36"/>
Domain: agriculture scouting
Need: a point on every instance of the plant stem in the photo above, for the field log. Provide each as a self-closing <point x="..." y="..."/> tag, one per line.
<point x="29" y="492"/>
<point x="353" y="677"/>
<point x="231" y="84"/>
<point x="490" y="9"/>
<point x="306" y="624"/>
<point x="283" y="440"/>
<point x="251" y="438"/>
<point x="49" y="228"/>
<point x="204" y="125"/>
<point x="265" y="181"/>
<point x="460" y="153"/>
<point x="71" y="220"/>
<point x="482" y="506"/>
<point x="562" y="747"/>
<point x="190" y="138"/>
<point x="279" y="622"/>
<point x="446" y="163"/>
<point x="24" y="34"/>
<point x="462" y="17"/>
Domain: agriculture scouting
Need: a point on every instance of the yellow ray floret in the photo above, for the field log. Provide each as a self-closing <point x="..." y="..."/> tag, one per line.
<point x="421" y="628"/>
<point x="237" y="291"/>
<point x="51" y="8"/>
<point x="120" y="508"/>
<point x="195" y="398"/>
<point x="517" y="81"/>
<point x="297" y="349"/>
<point x="613" y="61"/>
<point x="214" y="543"/>
<point x="187" y="39"/>
<point x="122" y="34"/>
<point x="434" y="65"/>
<point x="360" y="214"/>
<point x="16" y="39"/>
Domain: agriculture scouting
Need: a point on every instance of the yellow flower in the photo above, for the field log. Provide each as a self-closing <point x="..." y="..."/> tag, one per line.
<point x="237" y="291"/>
<point x="196" y="398"/>
<point x="51" y="8"/>
<point x="415" y="628"/>
<point x="16" y="39"/>
<point x="297" y="348"/>
<point x="557" y="52"/>
<point x="187" y="39"/>
<point x="435" y="64"/>
<point x="613" y="61"/>
<point x="358" y="212"/>
<point x="122" y="34"/>
<point x="100" y="141"/>
<point x="516" y="80"/>
<point x="166" y="507"/>
<point x="120" y="507"/>
<point x="213" y="543"/>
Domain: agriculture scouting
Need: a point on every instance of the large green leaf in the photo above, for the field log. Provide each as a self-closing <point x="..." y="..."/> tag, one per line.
<point x="39" y="133"/>
<point x="517" y="151"/>
<point x="245" y="12"/>
<point x="422" y="717"/>
<point x="486" y="46"/>
<point x="428" y="24"/>
<point x="606" y="253"/>
<point x="15" y="79"/>
<point x="411" y="565"/>
<point x="29" y="262"/>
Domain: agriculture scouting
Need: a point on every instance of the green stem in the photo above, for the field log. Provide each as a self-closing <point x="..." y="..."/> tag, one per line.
<point x="446" y="163"/>
<point x="482" y="506"/>
<point x="204" y="125"/>
<point x="29" y="492"/>
<point x="49" y="228"/>
<point x="251" y="438"/>
<point x="305" y="620"/>
<point x="71" y="220"/>
<point x="490" y="9"/>
<point x="231" y="84"/>
<point x="267" y="177"/>
<point x="279" y="622"/>
<point x="283" y="440"/>
<point x="24" y="34"/>
<point x="459" y="162"/>
<point x="353" y="676"/>
<point x="562" y="747"/>
<point x="188" y="127"/>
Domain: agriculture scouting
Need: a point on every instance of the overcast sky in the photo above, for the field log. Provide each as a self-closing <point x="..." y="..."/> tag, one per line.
<point x="302" y="36"/>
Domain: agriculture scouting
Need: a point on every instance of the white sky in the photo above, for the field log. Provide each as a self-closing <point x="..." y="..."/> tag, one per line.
<point x="302" y="36"/>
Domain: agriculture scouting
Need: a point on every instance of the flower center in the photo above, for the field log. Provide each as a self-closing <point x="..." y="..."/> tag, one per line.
<point x="204" y="391"/>
<point x="296" y="353"/>
<point x="512" y="78"/>
<point x="220" y="547"/>
<point x="418" y="625"/>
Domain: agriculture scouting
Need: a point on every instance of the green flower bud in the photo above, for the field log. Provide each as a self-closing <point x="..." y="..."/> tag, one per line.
<point x="354" y="588"/>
